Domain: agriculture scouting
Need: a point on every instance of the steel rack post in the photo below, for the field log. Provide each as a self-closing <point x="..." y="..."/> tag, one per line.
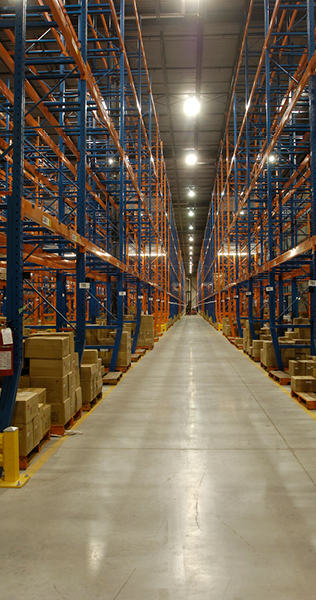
<point x="120" y="278"/>
<point x="80" y="338"/>
<point x="236" y="225"/>
<point x="272" y="298"/>
<point x="139" y="211"/>
<point x="14" y="294"/>
<point x="312" y="123"/>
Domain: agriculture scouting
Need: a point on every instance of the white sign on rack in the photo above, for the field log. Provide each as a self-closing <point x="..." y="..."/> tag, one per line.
<point x="7" y="337"/>
<point x="84" y="286"/>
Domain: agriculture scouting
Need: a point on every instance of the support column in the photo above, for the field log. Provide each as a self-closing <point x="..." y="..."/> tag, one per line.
<point x="81" y="182"/>
<point x="14" y="311"/>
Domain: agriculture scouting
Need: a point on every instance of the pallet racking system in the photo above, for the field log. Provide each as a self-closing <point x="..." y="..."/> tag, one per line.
<point x="87" y="224"/>
<point x="258" y="257"/>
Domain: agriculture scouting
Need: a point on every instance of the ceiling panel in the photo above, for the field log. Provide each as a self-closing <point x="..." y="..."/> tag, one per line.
<point x="191" y="48"/>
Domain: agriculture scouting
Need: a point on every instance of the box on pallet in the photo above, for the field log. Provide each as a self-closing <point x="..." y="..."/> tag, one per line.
<point x="25" y="408"/>
<point x="37" y="430"/>
<point x="46" y="419"/>
<point x="61" y="412"/>
<point x="56" y="388"/>
<point x="26" y="443"/>
<point x="78" y="398"/>
<point x="303" y="383"/>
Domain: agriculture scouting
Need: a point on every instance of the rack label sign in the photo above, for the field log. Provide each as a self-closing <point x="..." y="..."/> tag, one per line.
<point x="236" y="297"/>
<point x="74" y="237"/>
<point x="248" y="293"/>
<point x="46" y="221"/>
<point x="312" y="283"/>
<point x="84" y="286"/>
<point x="140" y="297"/>
<point x="122" y="293"/>
<point x="269" y="289"/>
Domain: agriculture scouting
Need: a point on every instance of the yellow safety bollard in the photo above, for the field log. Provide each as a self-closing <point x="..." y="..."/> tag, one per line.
<point x="163" y="328"/>
<point x="9" y="460"/>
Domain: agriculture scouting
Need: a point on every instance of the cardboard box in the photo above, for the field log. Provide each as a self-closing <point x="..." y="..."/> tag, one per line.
<point x="303" y="383"/>
<point x="87" y="389"/>
<point x="308" y="366"/>
<point x="296" y="368"/>
<point x="50" y="367"/>
<point x="88" y="372"/>
<point x="37" y="430"/>
<point x="60" y="412"/>
<point x="41" y="393"/>
<point x="24" y="382"/>
<point x="89" y="357"/>
<point x="26" y="444"/>
<point x="71" y="383"/>
<point x="72" y="404"/>
<point x="47" y="347"/>
<point x="70" y="334"/>
<point x="99" y="385"/>
<point x="25" y="408"/>
<point x="78" y="398"/>
<point x="46" y="419"/>
<point x="56" y="388"/>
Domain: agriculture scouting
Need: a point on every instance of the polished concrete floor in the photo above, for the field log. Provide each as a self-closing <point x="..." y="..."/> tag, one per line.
<point x="193" y="480"/>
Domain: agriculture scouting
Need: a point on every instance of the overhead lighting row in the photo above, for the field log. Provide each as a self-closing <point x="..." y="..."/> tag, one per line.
<point x="191" y="109"/>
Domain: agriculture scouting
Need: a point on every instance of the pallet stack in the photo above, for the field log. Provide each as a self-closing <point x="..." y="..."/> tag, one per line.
<point x="33" y="418"/>
<point x="90" y="378"/>
<point x="54" y="365"/>
<point x="125" y="351"/>
<point x="146" y="337"/>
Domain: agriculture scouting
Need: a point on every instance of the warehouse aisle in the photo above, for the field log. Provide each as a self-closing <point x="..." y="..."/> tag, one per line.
<point x="193" y="480"/>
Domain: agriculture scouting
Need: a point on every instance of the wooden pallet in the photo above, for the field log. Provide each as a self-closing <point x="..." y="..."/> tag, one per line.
<point x="268" y="369"/>
<point x="112" y="378"/>
<point x="25" y="461"/>
<point x="255" y="359"/>
<point x="140" y="351"/>
<point x="148" y="347"/>
<point x="61" y="429"/>
<point x="136" y="357"/>
<point x="280" y="377"/>
<point x="89" y="405"/>
<point x="77" y="415"/>
<point x="117" y="369"/>
<point x="304" y="398"/>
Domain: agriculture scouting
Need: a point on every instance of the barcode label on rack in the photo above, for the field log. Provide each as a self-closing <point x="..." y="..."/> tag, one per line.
<point x="46" y="221"/>
<point x="84" y="286"/>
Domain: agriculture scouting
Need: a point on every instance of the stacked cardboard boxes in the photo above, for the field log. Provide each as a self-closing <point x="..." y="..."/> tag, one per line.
<point x="125" y="351"/>
<point x="146" y="337"/>
<point x="90" y="376"/>
<point x="53" y="365"/>
<point x="33" y="418"/>
<point x="247" y="339"/>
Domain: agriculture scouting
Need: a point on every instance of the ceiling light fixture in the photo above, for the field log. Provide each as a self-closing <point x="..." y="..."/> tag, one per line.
<point x="191" y="213"/>
<point x="191" y="227"/>
<point x="191" y="193"/>
<point x="191" y="106"/>
<point x="191" y="238"/>
<point x="272" y="158"/>
<point x="191" y="158"/>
